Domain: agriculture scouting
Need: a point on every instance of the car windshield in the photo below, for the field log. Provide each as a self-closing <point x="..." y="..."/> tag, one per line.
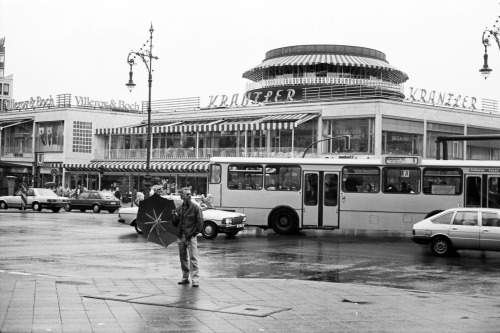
<point x="203" y="203"/>
<point x="46" y="192"/>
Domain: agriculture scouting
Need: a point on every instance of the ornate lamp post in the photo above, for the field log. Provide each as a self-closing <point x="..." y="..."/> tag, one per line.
<point x="495" y="32"/>
<point x="147" y="57"/>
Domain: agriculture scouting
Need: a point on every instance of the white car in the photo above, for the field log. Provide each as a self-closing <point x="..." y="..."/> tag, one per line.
<point x="215" y="220"/>
<point x="37" y="199"/>
<point x="460" y="229"/>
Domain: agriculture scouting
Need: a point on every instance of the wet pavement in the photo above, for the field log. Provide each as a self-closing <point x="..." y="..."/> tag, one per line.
<point x="84" y="272"/>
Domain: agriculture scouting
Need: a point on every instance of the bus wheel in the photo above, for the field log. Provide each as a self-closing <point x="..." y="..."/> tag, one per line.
<point x="283" y="222"/>
<point x="434" y="212"/>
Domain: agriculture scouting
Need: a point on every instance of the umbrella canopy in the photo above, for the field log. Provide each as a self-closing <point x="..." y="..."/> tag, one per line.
<point x="155" y="219"/>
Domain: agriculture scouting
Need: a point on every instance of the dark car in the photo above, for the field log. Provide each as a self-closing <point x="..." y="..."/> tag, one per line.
<point x="95" y="200"/>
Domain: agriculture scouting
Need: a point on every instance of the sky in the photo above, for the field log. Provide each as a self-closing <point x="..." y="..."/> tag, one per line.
<point x="204" y="46"/>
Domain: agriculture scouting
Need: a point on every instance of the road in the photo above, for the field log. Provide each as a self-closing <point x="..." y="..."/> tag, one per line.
<point x="74" y="244"/>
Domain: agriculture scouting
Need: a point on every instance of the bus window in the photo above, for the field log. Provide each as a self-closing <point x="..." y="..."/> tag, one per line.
<point x="494" y="192"/>
<point x="244" y="177"/>
<point x="473" y="197"/>
<point x="401" y="180"/>
<point x="359" y="179"/>
<point x="331" y="181"/>
<point x="311" y="189"/>
<point x="215" y="173"/>
<point x="442" y="181"/>
<point x="282" y="178"/>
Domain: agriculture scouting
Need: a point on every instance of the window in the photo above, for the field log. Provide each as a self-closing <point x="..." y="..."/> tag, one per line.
<point x="82" y="137"/>
<point x="282" y="178"/>
<point x="331" y="181"/>
<point x="244" y="177"/>
<point x="491" y="219"/>
<point x="494" y="192"/>
<point x="465" y="218"/>
<point x="50" y="136"/>
<point x="94" y="195"/>
<point x="84" y="195"/>
<point x="434" y="130"/>
<point x="361" y="132"/>
<point x="5" y="89"/>
<point x="402" y="137"/>
<point x="401" y="180"/>
<point x="442" y="181"/>
<point x="443" y="219"/>
<point x="359" y="179"/>
<point x="215" y="171"/>
<point x="311" y="189"/>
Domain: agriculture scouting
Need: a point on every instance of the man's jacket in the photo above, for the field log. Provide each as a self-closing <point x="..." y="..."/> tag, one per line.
<point x="193" y="220"/>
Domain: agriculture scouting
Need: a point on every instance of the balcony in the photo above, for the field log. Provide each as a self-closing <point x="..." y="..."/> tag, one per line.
<point x="327" y="81"/>
<point x="16" y="152"/>
<point x="198" y="154"/>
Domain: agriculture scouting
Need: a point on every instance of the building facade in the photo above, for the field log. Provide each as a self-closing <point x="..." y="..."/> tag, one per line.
<point x="331" y="101"/>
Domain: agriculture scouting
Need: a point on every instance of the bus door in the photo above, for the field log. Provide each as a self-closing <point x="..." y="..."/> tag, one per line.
<point x="473" y="191"/>
<point x="320" y="199"/>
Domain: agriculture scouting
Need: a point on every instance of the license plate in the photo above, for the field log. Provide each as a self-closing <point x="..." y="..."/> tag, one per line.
<point x="113" y="203"/>
<point x="240" y="225"/>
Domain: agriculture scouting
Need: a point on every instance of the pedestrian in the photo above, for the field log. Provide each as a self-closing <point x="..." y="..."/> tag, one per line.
<point x="117" y="193"/>
<point x="134" y="197"/>
<point x="59" y="190"/>
<point x="188" y="218"/>
<point x="66" y="191"/>
<point x="140" y="197"/>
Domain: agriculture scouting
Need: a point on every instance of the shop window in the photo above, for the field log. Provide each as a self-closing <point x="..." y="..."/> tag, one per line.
<point x="438" y="181"/>
<point x="82" y="137"/>
<point x="244" y="177"/>
<point x="400" y="143"/>
<point x="282" y="178"/>
<point x="455" y="149"/>
<point x="361" y="179"/>
<point x="360" y="131"/>
<point x="50" y="137"/>
<point x="401" y="180"/>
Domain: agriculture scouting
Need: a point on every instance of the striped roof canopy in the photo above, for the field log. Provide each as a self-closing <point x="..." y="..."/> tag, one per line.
<point x="137" y="166"/>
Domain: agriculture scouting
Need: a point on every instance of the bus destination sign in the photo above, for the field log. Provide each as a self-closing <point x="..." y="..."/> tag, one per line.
<point x="401" y="160"/>
<point x="482" y="170"/>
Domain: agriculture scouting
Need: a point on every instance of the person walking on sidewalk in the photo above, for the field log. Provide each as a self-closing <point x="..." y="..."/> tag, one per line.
<point x="188" y="218"/>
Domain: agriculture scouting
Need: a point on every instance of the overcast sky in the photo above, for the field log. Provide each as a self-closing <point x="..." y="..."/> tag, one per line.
<point x="204" y="46"/>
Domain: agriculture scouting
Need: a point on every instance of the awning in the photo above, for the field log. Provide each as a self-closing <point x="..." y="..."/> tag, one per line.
<point x="127" y="166"/>
<point x="332" y="59"/>
<point x="14" y="122"/>
<point x="281" y="121"/>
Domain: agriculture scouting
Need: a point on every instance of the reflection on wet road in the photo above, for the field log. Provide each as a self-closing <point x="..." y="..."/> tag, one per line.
<point x="96" y="245"/>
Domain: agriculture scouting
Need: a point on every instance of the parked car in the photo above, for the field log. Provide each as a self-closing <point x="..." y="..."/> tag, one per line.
<point x="460" y="228"/>
<point x="37" y="199"/>
<point x="215" y="220"/>
<point x="95" y="200"/>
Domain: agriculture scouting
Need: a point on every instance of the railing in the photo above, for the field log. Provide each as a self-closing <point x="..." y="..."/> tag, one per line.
<point x="7" y="151"/>
<point x="199" y="154"/>
<point x="299" y="81"/>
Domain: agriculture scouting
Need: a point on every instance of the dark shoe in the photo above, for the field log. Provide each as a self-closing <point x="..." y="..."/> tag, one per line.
<point x="196" y="284"/>
<point x="183" y="282"/>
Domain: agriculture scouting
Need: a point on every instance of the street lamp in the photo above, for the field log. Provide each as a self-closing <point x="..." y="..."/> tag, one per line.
<point x="495" y="32"/>
<point x="147" y="57"/>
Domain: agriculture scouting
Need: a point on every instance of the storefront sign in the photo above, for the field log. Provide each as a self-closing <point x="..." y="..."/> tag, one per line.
<point x="54" y="172"/>
<point x="32" y="103"/>
<point x="39" y="159"/>
<point x="252" y="98"/>
<point x="442" y="99"/>
<point x="19" y="170"/>
<point x="112" y="104"/>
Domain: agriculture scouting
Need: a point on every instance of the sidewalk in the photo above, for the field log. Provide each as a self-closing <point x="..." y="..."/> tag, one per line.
<point x="40" y="303"/>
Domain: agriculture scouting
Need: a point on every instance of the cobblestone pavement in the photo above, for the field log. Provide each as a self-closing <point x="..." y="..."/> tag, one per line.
<point x="41" y="303"/>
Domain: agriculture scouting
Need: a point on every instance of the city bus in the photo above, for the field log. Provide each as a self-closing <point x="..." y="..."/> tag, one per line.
<point x="390" y="193"/>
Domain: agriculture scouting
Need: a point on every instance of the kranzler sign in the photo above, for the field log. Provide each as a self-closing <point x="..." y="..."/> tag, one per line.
<point x="442" y="98"/>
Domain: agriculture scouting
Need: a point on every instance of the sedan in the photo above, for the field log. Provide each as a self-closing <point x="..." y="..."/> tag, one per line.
<point x="95" y="200"/>
<point x="460" y="229"/>
<point x="215" y="220"/>
<point x="37" y="198"/>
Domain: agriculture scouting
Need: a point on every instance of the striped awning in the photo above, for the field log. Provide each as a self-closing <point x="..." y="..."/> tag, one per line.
<point x="127" y="166"/>
<point x="282" y="121"/>
<point x="332" y="59"/>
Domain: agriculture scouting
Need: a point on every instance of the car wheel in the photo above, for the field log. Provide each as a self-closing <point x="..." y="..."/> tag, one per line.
<point x="56" y="209"/>
<point x="284" y="222"/>
<point x="36" y="206"/>
<point x="96" y="208"/>
<point x="441" y="246"/>
<point x="3" y="205"/>
<point x="138" y="228"/>
<point x="111" y="211"/>
<point x="83" y="210"/>
<point x="434" y="212"/>
<point x="67" y="207"/>
<point x="210" y="230"/>
<point x="231" y="233"/>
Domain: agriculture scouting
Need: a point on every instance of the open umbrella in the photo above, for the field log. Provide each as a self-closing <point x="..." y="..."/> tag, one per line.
<point x="155" y="220"/>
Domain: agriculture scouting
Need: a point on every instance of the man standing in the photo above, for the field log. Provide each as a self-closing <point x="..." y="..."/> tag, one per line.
<point x="189" y="220"/>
